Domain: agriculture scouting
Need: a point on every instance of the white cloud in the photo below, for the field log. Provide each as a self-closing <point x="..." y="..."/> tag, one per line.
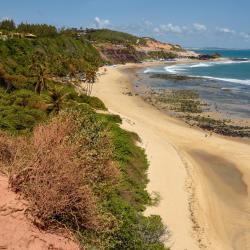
<point x="245" y="35"/>
<point x="101" y="23"/>
<point x="157" y="30"/>
<point x="170" y="28"/>
<point x="177" y="29"/>
<point x="226" y="31"/>
<point x="147" y="23"/>
<point x="199" y="27"/>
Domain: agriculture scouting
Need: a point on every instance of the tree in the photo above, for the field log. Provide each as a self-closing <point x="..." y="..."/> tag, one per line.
<point x="89" y="79"/>
<point x="41" y="30"/>
<point x="40" y="70"/>
<point x="8" y="25"/>
<point x="57" y="99"/>
<point x="4" y="79"/>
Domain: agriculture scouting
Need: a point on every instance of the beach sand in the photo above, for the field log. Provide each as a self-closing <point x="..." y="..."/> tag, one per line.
<point x="202" y="180"/>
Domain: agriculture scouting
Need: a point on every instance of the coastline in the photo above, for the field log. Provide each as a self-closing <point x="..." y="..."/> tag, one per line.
<point x="196" y="214"/>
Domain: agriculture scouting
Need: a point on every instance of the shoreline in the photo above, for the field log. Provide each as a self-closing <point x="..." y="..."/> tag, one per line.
<point x="178" y="158"/>
<point x="216" y="108"/>
<point x="132" y="73"/>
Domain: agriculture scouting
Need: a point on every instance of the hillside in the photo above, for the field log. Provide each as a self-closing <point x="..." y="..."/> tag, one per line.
<point x="120" y="47"/>
<point x="69" y="161"/>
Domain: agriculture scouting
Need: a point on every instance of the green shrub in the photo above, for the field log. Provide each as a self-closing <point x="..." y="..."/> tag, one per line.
<point x="116" y="37"/>
<point x="65" y="55"/>
<point x="18" y="119"/>
<point x="92" y="101"/>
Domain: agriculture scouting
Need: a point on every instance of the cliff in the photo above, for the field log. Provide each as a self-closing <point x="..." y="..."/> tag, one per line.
<point x="120" y="47"/>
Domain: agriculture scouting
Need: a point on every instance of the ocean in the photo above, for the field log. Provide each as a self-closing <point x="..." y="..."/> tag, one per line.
<point x="225" y="85"/>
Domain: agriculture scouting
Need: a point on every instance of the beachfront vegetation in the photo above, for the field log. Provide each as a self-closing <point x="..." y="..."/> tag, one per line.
<point x="161" y="55"/>
<point x="61" y="55"/>
<point x="76" y="167"/>
<point x="103" y="193"/>
<point x="116" y="37"/>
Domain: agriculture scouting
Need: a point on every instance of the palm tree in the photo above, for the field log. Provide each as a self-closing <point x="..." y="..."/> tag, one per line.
<point x="41" y="79"/>
<point x="57" y="99"/>
<point x="5" y="80"/>
<point x="39" y="69"/>
<point x="90" y="78"/>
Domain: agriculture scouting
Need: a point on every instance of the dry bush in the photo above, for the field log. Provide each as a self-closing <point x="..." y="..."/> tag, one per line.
<point x="51" y="173"/>
<point x="8" y="150"/>
<point x="63" y="170"/>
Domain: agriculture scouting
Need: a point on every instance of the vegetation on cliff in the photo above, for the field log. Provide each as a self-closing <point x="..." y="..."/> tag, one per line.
<point x="76" y="167"/>
<point x="115" y="37"/>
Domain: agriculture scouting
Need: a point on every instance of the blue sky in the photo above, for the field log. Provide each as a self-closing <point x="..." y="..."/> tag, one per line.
<point x="191" y="23"/>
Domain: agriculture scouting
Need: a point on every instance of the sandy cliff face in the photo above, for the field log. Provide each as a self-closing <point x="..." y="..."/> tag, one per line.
<point x="116" y="53"/>
<point x="120" y="53"/>
<point x="153" y="45"/>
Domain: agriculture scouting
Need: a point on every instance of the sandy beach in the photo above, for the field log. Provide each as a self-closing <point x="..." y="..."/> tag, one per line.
<point x="202" y="180"/>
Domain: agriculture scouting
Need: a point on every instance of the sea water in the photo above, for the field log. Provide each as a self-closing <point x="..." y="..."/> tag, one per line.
<point x="225" y="84"/>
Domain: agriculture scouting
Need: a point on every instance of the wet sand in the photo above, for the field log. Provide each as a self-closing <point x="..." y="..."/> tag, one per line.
<point x="203" y="180"/>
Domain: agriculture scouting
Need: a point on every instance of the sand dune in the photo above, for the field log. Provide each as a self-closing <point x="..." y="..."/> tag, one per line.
<point x="203" y="181"/>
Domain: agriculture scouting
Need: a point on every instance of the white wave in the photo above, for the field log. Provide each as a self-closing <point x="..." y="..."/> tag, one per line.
<point x="182" y="67"/>
<point x="233" y="62"/>
<point x="171" y="69"/>
<point x="174" y="69"/>
<point x="147" y="71"/>
<point x="240" y="81"/>
<point x="200" y="65"/>
<point x="150" y="70"/>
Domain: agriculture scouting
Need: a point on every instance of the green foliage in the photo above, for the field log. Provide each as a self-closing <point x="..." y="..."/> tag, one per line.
<point x="161" y="55"/>
<point x="134" y="165"/>
<point x="177" y="48"/>
<point x="21" y="108"/>
<point x="18" y="119"/>
<point x="65" y="55"/>
<point x="112" y="118"/>
<point x="92" y="101"/>
<point x="135" y="230"/>
<point x="127" y="199"/>
<point x="116" y="37"/>
<point x="41" y="30"/>
<point x="8" y="25"/>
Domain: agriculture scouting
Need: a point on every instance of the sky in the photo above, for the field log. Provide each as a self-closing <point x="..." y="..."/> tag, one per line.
<point x="191" y="23"/>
